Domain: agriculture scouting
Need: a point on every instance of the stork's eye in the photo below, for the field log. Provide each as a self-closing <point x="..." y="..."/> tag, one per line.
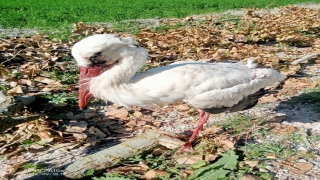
<point x="95" y="56"/>
<point x="95" y="59"/>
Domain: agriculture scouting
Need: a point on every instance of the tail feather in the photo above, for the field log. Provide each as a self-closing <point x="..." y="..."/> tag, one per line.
<point x="246" y="103"/>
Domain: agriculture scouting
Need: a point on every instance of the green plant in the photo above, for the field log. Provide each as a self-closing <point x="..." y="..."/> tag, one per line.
<point x="90" y="172"/>
<point x="17" y="75"/>
<point x="67" y="77"/>
<point x="26" y="143"/>
<point x="241" y="124"/>
<point x="28" y="166"/>
<point x="274" y="147"/>
<point x="37" y="168"/>
<point x="61" y="33"/>
<point x="135" y="159"/>
<point x="3" y="88"/>
<point x="63" y="97"/>
<point x="217" y="170"/>
<point x="166" y="27"/>
<point x="42" y="142"/>
<point x="132" y="26"/>
<point x="3" y="36"/>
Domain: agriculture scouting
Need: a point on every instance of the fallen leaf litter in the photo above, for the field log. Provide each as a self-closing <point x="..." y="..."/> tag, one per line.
<point x="29" y="58"/>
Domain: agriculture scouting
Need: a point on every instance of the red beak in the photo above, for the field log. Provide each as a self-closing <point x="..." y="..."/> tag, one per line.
<point x="86" y="73"/>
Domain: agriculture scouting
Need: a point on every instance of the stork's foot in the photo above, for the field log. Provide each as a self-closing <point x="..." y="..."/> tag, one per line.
<point x="203" y="119"/>
<point x="186" y="146"/>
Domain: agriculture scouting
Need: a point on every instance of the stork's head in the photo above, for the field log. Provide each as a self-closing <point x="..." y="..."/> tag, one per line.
<point x="96" y="54"/>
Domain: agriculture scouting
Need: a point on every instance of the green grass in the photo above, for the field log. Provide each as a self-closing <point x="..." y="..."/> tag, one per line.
<point x="37" y="168"/>
<point x="267" y="147"/>
<point x="61" y="13"/>
<point x="240" y="124"/>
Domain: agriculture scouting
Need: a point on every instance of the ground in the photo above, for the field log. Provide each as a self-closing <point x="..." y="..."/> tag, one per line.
<point x="281" y="133"/>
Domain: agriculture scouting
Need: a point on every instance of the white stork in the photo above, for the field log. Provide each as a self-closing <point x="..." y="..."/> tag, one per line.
<point x="107" y="71"/>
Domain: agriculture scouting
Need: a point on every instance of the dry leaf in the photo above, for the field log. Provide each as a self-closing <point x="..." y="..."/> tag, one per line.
<point x="6" y="175"/>
<point x="16" y="160"/>
<point x="187" y="173"/>
<point x="13" y="84"/>
<point x="52" y="87"/>
<point x="44" y="80"/>
<point x="89" y="115"/>
<point x="140" y="123"/>
<point x="278" y="117"/>
<point x="120" y="114"/>
<point x="66" y="146"/>
<point x="190" y="159"/>
<point x="79" y="137"/>
<point x="106" y="122"/>
<point x="134" y="168"/>
<point x="251" y="164"/>
<point x="213" y="130"/>
<point x="120" y="129"/>
<point x="105" y="130"/>
<point x="271" y="156"/>
<point x="97" y="132"/>
<point x="153" y="173"/>
<point x="171" y="143"/>
<point x="206" y="42"/>
<point x="44" y="135"/>
<point x="14" y="91"/>
<point x="182" y="107"/>
<point x="137" y="113"/>
<point x="268" y="99"/>
<point x="35" y="148"/>
<point x="16" y="166"/>
<point x="77" y="127"/>
<point x="301" y="167"/>
<point x="58" y="139"/>
<point x="250" y="177"/>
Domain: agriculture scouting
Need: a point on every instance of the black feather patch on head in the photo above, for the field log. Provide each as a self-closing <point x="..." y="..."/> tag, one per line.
<point x="94" y="59"/>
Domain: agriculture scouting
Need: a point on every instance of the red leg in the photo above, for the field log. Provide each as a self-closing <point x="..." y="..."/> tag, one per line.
<point x="202" y="119"/>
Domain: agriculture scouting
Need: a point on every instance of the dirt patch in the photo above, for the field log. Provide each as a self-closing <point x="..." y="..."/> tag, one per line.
<point x="17" y="32"/>
<point x="143" y="23"/>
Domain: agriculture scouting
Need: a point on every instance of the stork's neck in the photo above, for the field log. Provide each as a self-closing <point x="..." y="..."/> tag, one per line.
<point x="119" y="75"/>
<point x="121" y="72"/>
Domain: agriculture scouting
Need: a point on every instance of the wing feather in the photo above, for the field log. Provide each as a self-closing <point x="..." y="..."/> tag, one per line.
<point x="204" y="85"/>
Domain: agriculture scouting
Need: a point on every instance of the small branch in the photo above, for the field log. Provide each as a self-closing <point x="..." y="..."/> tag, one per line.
<point x="11" y="58"/>
<point x="222" y="20"/>
<point x="14" y="139"/>
<point x="305" y="58"/>
<point x="7" y="122"/>
<point x="113" y="155"/>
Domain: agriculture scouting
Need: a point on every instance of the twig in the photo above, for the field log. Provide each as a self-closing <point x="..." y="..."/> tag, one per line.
<point x="305" y="58"/>
<point x="222" y="20"/>
<point x="14" y="139"/>
<point x="7" y="122"/>
<point x="287" y="9"/>
<point x="113" y="155"/>
<point x="284" y="164"/>
<point x="11" y="58"/>
<point x="306" y="140"/>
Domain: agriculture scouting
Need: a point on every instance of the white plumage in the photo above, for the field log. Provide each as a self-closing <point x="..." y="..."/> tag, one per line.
<point x="203" y="85"/>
